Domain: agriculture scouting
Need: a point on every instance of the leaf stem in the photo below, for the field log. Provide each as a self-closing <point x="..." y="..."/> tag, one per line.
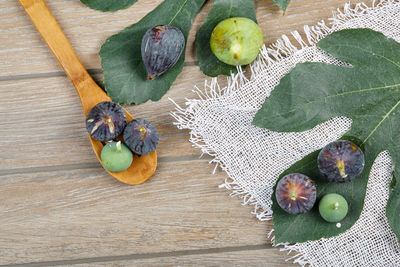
<point x="119" y="146"/>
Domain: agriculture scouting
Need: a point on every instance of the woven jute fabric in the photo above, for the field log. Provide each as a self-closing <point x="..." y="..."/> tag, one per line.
<point x="220" y="119"/>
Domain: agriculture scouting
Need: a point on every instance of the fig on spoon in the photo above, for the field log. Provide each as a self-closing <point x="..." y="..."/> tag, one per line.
<point x="90" y="93"/>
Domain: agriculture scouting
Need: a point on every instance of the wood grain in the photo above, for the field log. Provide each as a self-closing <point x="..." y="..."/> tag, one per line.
<point x="59" y="207"/>
<point x="90" y="94"/>
<point x="48" y="125"/>
<point x="85" y="213"/>
<point x="250" y="257"/>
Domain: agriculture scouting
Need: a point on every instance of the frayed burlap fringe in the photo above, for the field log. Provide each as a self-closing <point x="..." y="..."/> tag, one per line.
<point x="266" y="72"/>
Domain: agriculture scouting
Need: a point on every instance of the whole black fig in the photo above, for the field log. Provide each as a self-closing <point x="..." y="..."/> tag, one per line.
<point x="162" y="47"/>
<point x="106" y="121"/>
<point x="141" y="136"/>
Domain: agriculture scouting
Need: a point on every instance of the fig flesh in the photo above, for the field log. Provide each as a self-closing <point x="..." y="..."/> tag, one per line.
<point x="296" y="193"/>
<point x="341" y="161"/>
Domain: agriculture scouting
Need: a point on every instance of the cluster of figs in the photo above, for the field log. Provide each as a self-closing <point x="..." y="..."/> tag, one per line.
<point x="341" y="162"/>
<point x="234" y="41"/>
<point x="106" y="122"/>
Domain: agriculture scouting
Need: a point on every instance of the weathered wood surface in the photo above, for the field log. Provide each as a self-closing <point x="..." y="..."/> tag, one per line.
<point x="23" y="52"/>
<point x="57" y="205"/>
<point x="252" y="256"/>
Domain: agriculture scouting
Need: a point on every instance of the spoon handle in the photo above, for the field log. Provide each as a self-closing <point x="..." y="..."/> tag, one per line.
<point x="59" y="45"/>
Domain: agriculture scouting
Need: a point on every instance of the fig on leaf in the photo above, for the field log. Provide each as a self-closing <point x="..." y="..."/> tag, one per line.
<point x="236" y="41"/>
<point x="333" y="207"/>
<point x="341" y="161"/>
<point x="161" y="48"/>
<point x="296" y="193"/>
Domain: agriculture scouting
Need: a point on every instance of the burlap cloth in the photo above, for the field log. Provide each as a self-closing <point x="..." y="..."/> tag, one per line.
<point x="220" y="125"/>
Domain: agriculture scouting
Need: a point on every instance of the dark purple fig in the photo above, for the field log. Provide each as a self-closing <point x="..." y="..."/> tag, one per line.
<point x="162" y="47"/>
<point x="106" y="121"/>
<point x="296" y="193"/>
<point x="141" y="137"/>
<point x="341" y="161"/>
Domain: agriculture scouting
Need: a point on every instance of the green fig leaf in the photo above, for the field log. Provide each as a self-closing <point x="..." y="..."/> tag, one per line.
<point x="222" y="9"/>
<point x="393" y="206"/>
<point x="291" y="228"/>
<point x="283" y="4"/>
<point x="108" y="5"/>
<point x="367" y="92"/>
<point x="125" y="76"/>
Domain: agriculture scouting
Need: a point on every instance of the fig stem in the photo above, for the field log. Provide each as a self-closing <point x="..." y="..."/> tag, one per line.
<point x="143" y="131"/>
<point x="336" y="205"/>
<point x="119" y="147"/>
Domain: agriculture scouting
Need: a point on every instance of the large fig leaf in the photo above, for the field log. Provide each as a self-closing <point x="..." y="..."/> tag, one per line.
<point x="311" y="226"/>
<point x="125" y="76"/>
<point x="108" y="5"/>
<point x="222" y="9"/>
<point x="368" y="93"/>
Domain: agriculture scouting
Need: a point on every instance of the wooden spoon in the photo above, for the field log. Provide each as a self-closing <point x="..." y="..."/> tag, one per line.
<point x="89" y="92"/>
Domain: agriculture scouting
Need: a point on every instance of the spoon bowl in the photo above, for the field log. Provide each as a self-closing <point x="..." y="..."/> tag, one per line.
<point x="89" y="92"/>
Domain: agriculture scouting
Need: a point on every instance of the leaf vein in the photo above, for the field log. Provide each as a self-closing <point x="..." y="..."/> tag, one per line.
<point x="369" y="52"/>
<point x="342" y="94"/>
<point x="230" y="8"/>
<point x="381" y="121"/>
<point x="179" y="11"/>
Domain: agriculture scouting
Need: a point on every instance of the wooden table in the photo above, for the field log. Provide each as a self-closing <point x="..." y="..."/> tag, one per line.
<point x="59" y="207"/>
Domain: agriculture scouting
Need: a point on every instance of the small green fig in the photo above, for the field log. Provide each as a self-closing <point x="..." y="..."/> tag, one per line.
<point x="116" y="157"/>
<point x="333" y="207"/>
<point x="236" y="41"/>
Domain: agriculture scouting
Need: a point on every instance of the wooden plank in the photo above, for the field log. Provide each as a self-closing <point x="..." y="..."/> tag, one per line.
<point x="72" y="214"/>
<point x="23" y="52"/>
<point x="43" y="122"/>
<point x="56" y="203"/>
<point x="250" y="256"/>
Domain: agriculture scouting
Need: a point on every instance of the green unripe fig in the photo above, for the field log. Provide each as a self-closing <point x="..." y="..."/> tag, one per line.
<point x="236" y="41"/>
<point x="116" y="157"/>
<point x="333" y="208"/>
